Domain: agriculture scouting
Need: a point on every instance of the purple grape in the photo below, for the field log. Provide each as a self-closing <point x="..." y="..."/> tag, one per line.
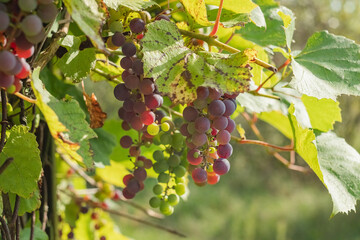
<point x="184" y="131"/>
<point x="139" y="107"/>
<point x="216" y="108"/>
<point x="136" y="123"/>
<point x="214" y="94"/>
<point x="7" y="61"/>
<point x="224" y="151"/>
<point x="138" y="67"/>
<point x="47" y="12"/>
<point x="159" y="115"/>
<point x="220" y="123"/>
<point x="221" y="166"/>
<point x="122" y="113"/>
<point x="37" y="38"/>
<point x="202" y="92"/>
<point x="199" y="139"/>
<point x="137" y="25"/>
<point x="223" y="137"/>
<point x="125" y="125"/>
<point x="126" y="63"/>
<point x="31" y="25"/>
<point x="22" y="42"/>
<point x="128" y="105"/>
<point x="126" y="141"/>
<point x="202" y="124"/>
<point x="153" y="101"/>
<point x="132" y="82"/>
<point x="118" y="39"/>
<point x="128" y="116"/>
<point x="231" y="125"/>
<point x="230" y="107"/>
<point x="17" y="69"/>
<point x="121" y="92"/>
<point x="147" y="86"/>
<point x="191" y="157"/>
<point x="4" y="21"/>
<point x="140" y="174"/>
<point x="6" y="80"/>
<point x="129" y="49"/>
<point x="199" y="175"/>
<point x="190" y="114"/>
<point x="133" y="186"/>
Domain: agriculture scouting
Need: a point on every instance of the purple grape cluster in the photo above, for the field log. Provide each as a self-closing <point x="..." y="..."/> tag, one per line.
<point x="18" y="35"/>
<point x="208" y="130"/>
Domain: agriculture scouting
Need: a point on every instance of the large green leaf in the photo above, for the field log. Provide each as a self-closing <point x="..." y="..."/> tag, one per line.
<point x="76" y="64"/>
<point x="22" y="175"/>
<point x="136" y="5"/>
<point x="27" y="205"/>
<point x="197" y="10"/>
<point x="328" y="66"/>
<point x="340" y="165"/>
<point x="304" y="143"/>
<point x="38" y="234"/>
<point x="178" y="71"/>
<point x="246" y="6"/>
<point x="66" y="123"/>
<point x="322" y="112"/>
<point x="279" y="121"/>
<point x="88" y="17"/>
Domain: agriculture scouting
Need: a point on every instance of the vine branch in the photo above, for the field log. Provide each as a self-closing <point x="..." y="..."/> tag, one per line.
<point x="5" y="228"/>
<point x="6" y="164"/>
<point x="262" y="143"/>
<point x="4" y="119"/>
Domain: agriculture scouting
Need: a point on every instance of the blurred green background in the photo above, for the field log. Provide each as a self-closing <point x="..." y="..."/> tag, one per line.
<point x="260" y="198"/>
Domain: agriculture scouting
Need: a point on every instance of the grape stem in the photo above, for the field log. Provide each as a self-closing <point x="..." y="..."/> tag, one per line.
<point x="212" y="41"/>
<point x="30" y="100"/>
<point x="169" y="110"/>
<point x="4" y="120"/>
<point x="262" y="143"/>
<point x="94" y="205"/>
<point x="217" y="21"/>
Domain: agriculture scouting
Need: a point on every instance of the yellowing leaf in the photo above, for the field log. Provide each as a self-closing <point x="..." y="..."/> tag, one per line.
<point x="245" y="6"/>
<point x="197" y="9"/>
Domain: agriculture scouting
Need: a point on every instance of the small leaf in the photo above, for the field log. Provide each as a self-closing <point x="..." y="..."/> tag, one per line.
<point x="27" y="205"/>
<point x="97" y="116"/>
<point x="88" y="17"/>
<point x="136" y="5"/>
<point x="23" y="173"/>
<point x="178" y="71"/>
<point x="197" y="10"/>
<point x="327" y="67"/>
<point x="340" y="165"/>
<point x="322" y="112"/>
<point x="38" y="234"/>
<point x="304" y="143"/>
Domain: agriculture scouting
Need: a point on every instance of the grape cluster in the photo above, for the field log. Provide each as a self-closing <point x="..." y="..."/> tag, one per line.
<point x="18" y="35"/>
<point x="207" y="131"/>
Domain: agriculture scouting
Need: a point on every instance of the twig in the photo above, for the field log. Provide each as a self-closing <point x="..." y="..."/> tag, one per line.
<point x="22" y="112"/>
<point x="121" y="214"/>
<point x="227" y="41"/>
<point x="46" y="206"/>
<point x="171" y="111"/>
<point x="32" y="130"/>
<point x="15" y="114"/>
<point x="6" y="164"/>
<point x="18" y="229"/>
<point x="32" y="229"/>
<point x="282" y="66"/>
<point x="6" y="228"/>
<point x="214" y="42"/>
<point x="107" y="76"/>
<point x="16" y="210"/>
<point x="23" y="97"/>
<point x="4" y="119"/>
<point x="262" y="143"/>
<point x="289" y="165"/>
<point x="255" y="93"/>
<point x="107" y="62"/>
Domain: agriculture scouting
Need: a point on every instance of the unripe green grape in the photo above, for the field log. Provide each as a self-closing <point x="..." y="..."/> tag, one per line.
<point x="153" y="129"/>
<point x="179" y="171"/>
<point x="166" y="208"/>
<point x="154" y="202"/>
<point x="180" y="180"/>
<point x="162" y="166"/>
<point x="165" y="119"/>
<point x="158" y="155"/>
<point x="177" y="140"/>
<point x="11" y="89"/>
<point x="27" y="5"/>
<point x="166" y="138"/>
<point x="156" y="139"/>
<point x="139" y="163"/>
<point x="165" y="126"/>
<point x="158" y="189"/>
<point x="180" y="189"/>
<point x="173" y="199"/>
<point x="174" y="160"/>
<point x="163" y="178"/>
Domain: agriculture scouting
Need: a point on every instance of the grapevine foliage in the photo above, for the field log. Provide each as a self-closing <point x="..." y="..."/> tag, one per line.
<point x="176" y="83"/>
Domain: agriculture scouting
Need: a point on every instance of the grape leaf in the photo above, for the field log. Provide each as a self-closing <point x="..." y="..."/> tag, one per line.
<point x="246" y="6"/>
<point x="279" y="121"/>
<point x="66" y="123"/>
<point x="322" y="112"/>
<point x="229" y="18"/>
<point x="257" y="17"/>
<point x="340" y="165"/>
<point x="76" y="64"/>
<point x="178" y="70"/>
<point x="102" y="146"/>
<point x="289" y="24"/>
<point x="197" y="10"/>
<point x="23" y="173"/>
<point x="304" y="143"/>
<point x="38" y="234"/>
<point x="328" y="66"/>
<point x="136" y="5"/>
<point x="27" y="205"/>
<point x="88" y="17"/>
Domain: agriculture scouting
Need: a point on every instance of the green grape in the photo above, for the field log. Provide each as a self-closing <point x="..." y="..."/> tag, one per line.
<point x="11" y="89"/>
<point x="116" y="26"/>
<point x="212" y="150"/>
<point x="139" y="163"/>
<point x="177" y="140"/>
<point x="166" y="208"/>
<point x="173" y="199"/>
<point x="165" y="119"/>
<point x="161" y="166"/>
<point x="166" y="138"/>
<point x="165" y="126"/>
<point x="174" y="160"/>
<point x="180" y="189"/>
<point x="154" y="202"/>
<point x="179" y="171"/>
<point x="156" y="139"/>
<point x="158" y="155"/>
<point x="153" y="129"/>
<point x="180" y="180"/>
<point x="210" y="169"/>
<point x="163" y="177"/>
<point x="158" y="189"/>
